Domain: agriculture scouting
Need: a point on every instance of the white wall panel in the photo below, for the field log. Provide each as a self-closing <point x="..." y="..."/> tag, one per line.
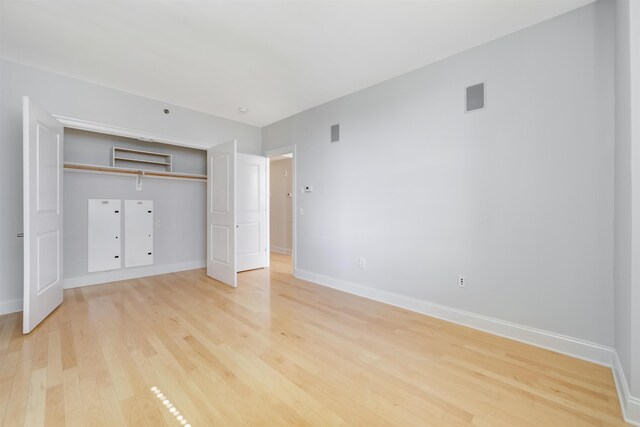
<point x="138" y="233"/>
<point x="104" y="228"/>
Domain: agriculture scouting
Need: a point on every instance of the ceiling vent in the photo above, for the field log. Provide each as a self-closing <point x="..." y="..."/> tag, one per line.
<point x="475" y="97"/>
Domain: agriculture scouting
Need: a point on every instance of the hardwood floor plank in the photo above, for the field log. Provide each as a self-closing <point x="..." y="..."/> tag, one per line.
<point x="17" y="403"/>
<point x="73" y="412"/>
<point x="54" y="360"/>
<point x="93" y="414"/>
<point x="55" y="405"/>
<point x="36" y="400"/>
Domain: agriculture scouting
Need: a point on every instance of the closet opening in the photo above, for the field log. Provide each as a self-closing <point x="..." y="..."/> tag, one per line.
<point x="132" y="208"/>
<point x="104" y="204"/>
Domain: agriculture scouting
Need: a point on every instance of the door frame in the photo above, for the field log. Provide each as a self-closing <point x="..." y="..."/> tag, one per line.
<point x="287" y="149"/>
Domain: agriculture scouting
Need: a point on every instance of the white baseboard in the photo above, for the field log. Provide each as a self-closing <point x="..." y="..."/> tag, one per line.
<point x="130" y="273"/>
<point x="630" y="405"/>
<point x="13" y="306"/>
<point x="280" y="250"/>
<point x="592" y="352"/>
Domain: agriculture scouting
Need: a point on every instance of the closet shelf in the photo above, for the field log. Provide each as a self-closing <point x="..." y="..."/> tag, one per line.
<point x="152" y="153"/>
<point x="127" y="171"/>
<point x="130" y="155"/>
<point x="152" y="162"/>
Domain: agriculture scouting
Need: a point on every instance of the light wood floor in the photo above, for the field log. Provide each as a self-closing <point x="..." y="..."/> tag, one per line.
<point x="278" y="351"/>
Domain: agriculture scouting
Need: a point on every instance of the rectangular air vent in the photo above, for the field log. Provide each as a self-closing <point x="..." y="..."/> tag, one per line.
<point x="475" y="97"/>
<point x="335" y="133"/>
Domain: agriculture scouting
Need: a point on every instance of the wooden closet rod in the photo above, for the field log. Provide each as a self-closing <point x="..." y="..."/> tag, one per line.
<point x="96" y="168"/>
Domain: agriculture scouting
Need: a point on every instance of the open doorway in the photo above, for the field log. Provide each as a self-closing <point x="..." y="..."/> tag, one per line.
<point x="282" y="210"/>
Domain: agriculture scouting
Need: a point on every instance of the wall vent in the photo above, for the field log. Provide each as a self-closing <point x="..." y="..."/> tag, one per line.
<point x="335" y="133"/>
<point x="475" y="97"/>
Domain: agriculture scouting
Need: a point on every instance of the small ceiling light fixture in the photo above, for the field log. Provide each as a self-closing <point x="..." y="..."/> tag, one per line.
<point x="243" y="110"/>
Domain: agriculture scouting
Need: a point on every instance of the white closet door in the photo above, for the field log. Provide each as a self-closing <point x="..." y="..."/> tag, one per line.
<point x="251" y="188"/>
<point x="138" y="233"/>
<point x="221" y="213"/>
<point x="105" y="244"/>
<point x="42" y="213"/>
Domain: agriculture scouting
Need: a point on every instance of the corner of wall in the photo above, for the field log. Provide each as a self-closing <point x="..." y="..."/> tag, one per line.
<point x="630" y="405"/>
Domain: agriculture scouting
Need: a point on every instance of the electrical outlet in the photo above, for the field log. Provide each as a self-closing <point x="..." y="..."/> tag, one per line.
<point x="362" y="262"/>
<point x="462" y="281"/>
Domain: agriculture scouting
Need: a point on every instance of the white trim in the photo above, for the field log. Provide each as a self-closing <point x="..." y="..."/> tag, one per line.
<point x="130" y="273"/>
<point x="294" y="202"/>
<point x="592" y="352"/>
<point x="630" y="405"/>
<point x="267" y="213"/>
<point x="281" y="250"/>
<point x="12" y="306"/>
<point x="74" y="123"/>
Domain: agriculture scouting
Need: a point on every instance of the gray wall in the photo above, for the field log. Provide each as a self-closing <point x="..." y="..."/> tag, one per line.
<point x="179" y="205"/>
<point x="280" y="215"/>
<point x="71" y="97"/>
<point x="627" y="195"/>
<point x="517" y="197"/>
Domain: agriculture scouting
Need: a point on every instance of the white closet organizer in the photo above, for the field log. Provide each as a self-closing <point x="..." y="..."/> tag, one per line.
<point x="138" y="233"/>
<point x="104" y="247"/>
<point x="145" y="159"/>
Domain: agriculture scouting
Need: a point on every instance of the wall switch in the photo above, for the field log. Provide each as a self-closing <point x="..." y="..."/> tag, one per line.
<point x="362" y="262"/>
<point x="301" y="211"/>
<point x="285" y="173"/>
<point x="462" y="281"/>
<point x="158" y="224"/>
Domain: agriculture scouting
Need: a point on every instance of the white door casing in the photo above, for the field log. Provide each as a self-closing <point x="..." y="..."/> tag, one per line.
<point x="221" y="213"/>
<point x="251" y="212"/>
<point x="42" y="215"/>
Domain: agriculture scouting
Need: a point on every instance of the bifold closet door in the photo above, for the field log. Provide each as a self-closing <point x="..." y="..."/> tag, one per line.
<point x="138" y="233"/>
<point x="105" y="244"/>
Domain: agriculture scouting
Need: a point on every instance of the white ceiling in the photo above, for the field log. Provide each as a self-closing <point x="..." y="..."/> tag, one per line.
<point x="275" y="57"/>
